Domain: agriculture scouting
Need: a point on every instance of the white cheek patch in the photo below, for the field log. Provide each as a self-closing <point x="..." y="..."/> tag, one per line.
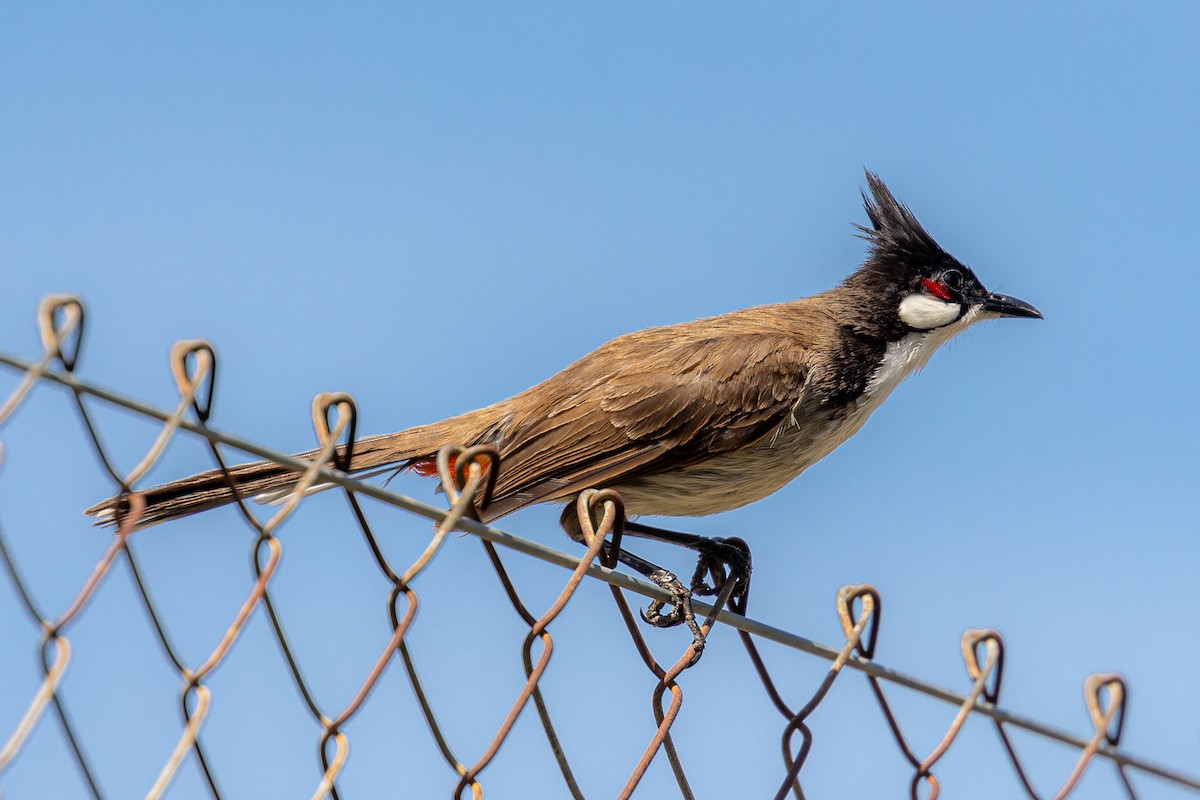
<point x="925" y="313"/>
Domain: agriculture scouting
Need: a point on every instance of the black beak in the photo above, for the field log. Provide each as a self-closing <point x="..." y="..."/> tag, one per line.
<point x="1007" y="306"/>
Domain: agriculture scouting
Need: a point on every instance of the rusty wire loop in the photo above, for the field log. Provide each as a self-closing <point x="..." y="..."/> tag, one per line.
<point x="595" y="541"/>
<point x="461" y="487"/>
<point x="467" y="477"/>
<point x="328" y="442"/>
<point x="518" y="605"/>
<point x="60" y="323"/>
<point x="980" y="675"/>
<point x="666" y="719"/>
<point x="666" y="678"/>
<point x="189" y="377"/>
<point x="854" y="630"/>
<point x="667" y="682"/>
<point x="1105" y="697"/>
<point x="36" y="706"/>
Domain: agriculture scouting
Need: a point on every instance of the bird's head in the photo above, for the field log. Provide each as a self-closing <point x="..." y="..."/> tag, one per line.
<point x="913" y="282"/>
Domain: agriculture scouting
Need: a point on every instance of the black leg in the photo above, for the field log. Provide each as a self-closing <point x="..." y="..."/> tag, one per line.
<point x="720" y="558"/>
<point x="681" y="602"/>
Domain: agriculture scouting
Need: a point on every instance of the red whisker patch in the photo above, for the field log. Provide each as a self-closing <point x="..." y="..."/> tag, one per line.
<point x="937" y="289"/>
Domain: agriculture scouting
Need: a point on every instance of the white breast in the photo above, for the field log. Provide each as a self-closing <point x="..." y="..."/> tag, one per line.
<point x="910" y="354"/>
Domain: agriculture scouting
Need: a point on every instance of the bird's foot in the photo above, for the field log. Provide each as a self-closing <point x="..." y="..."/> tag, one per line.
<point x="681" y="608"/>
<point x="722" y="560"/>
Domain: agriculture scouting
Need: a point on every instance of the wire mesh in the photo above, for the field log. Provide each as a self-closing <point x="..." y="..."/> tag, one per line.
<point x="464" y="475"/>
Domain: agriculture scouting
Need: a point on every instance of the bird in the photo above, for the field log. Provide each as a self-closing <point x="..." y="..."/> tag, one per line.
<point x="690" y="419"/>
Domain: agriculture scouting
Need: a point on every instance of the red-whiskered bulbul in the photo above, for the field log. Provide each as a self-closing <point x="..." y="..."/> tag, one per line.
<point x="695" y="418"/>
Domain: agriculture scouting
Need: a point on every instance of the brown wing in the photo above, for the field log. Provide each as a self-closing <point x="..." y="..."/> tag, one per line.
<point x="647" y="403"/>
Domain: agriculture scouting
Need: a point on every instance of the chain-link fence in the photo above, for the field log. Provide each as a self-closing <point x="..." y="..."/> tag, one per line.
<point x="213" y="745"/>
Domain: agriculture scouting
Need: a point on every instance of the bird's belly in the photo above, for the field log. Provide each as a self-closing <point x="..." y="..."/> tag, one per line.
<point x="735" y="479"/>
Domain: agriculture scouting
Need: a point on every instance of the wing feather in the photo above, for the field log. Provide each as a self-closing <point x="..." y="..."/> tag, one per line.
<point x="647" y="403"/>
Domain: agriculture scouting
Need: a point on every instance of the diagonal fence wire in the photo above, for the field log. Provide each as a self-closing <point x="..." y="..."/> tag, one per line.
<point x="466" y="476"/>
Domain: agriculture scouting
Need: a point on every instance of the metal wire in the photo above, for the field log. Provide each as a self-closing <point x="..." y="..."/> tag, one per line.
<point x="466" y="476"/>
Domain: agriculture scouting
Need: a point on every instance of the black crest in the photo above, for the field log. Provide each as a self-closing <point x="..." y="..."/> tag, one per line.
<point x="902" y="251"/>
<point x="894" y="227"/>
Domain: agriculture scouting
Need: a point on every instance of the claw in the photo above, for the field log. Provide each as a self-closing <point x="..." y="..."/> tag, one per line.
<point x="681" y="608"/>
<point x="654" y="616"/>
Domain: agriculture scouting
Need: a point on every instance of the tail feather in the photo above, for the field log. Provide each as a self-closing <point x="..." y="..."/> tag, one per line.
<point x="199" y="493"/>
<point x="211" y="489"/>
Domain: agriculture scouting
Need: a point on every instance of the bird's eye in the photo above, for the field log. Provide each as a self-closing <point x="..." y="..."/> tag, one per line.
<point x="952" y="279"/>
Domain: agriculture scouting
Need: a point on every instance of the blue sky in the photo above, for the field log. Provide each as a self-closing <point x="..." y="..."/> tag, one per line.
<point x="434" y="208"/>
